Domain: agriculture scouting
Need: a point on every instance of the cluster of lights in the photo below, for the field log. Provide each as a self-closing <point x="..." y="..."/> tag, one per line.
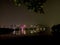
<point x="35" y="5"/>
<point x="24" y="29"/>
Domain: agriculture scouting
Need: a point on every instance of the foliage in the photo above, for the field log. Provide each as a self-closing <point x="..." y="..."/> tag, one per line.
<point x="35" y="5"/>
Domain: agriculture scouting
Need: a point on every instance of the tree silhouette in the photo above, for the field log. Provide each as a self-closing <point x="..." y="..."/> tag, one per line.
<point x="56" y="29"/>
<point x="35" y="5"/>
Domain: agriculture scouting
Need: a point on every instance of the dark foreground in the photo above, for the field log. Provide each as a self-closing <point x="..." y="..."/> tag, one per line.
<point x="37" y="39"/>
<point x="32" y="40"/>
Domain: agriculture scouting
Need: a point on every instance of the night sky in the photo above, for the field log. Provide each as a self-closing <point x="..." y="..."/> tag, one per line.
<point x="10" y="14"/>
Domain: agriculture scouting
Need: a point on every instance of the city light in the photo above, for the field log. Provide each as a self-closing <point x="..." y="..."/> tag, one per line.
<point x="23" y="29"/>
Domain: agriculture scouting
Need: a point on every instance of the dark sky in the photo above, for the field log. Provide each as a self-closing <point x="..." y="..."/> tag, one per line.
<point x="10" y="14"/>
